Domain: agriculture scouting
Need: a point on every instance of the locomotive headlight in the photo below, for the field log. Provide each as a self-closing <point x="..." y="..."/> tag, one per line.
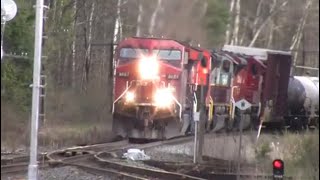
<point x="163" y="97"/>
<point x="130" y="96"/>
<point x="148" y="68"/>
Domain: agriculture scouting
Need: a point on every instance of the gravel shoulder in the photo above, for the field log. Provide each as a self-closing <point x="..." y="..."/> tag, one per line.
<point x="62" y="173"/>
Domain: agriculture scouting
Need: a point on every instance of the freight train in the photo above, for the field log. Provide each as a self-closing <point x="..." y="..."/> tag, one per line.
<point x="158" y="85"/>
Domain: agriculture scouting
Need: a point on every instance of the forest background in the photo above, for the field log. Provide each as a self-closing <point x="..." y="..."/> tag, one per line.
<point x="77" y="65"/>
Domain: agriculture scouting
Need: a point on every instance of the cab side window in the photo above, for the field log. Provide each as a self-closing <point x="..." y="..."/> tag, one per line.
<point x="221" y="74"/>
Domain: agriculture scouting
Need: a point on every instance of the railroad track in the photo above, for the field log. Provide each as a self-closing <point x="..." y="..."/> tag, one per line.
<point x="97" y="159"/>
<point x="19" y="159"/>
<point x="19" y="164"/>
<point x="91" y="161"/>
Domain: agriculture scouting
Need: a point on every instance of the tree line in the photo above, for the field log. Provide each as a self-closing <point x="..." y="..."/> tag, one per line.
<point x="80" y="36"/>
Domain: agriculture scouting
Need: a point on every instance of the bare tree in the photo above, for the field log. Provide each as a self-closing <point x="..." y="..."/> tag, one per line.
<point x="272" y="12"/>
<point x="227" y="39"/>
<point x="73" y="74"/>
<point x="88" y="48"/>
<point x="271" y="32"/>
<point x="258" y="16"/>
<point x="236" y="24"/>
<point x="153" y="17"/>
<point x="296" y="40"/>
<point x="139" y="19"/>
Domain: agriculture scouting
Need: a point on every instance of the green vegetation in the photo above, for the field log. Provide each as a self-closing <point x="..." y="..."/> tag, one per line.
<point x="16" y="74"/>
<point x="300" y="152"/>
<point x="303" y="158"/>
<point x="262" y="151"/>
<point x="216" y="21"/>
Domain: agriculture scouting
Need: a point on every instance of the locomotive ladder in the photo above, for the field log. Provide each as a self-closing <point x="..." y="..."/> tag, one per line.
<point x="43" y="84"/>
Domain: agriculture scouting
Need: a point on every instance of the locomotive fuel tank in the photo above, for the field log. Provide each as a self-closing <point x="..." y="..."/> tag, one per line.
<point x="303" y="99"/>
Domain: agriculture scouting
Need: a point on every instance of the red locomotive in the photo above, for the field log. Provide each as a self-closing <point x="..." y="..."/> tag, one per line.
<point x="263" y="81"/>
<point x="158" y="81"/>
<point x="153" y="81"/>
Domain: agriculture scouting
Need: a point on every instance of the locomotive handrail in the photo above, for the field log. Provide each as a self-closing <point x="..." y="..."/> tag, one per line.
<point x="233" y="107"/>
<point x="195" y="102"/>
<point x="233" y="101"/>
<point x="259" y="109"/>
<point x="210" y="109"/>
<point x="180" y="107"/>
<point x="124" y="92"/>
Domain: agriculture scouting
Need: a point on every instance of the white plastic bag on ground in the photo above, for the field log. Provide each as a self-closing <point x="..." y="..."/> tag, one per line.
<point x="136" y="155"/>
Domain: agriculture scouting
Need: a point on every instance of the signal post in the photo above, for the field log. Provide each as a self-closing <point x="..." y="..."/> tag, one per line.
<point x="278" y="169"/>
<point x="242" y="104"/>
<point x="200" y="117"/>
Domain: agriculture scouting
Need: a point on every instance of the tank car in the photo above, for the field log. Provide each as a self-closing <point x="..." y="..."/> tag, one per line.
<point x="303" y="102"/>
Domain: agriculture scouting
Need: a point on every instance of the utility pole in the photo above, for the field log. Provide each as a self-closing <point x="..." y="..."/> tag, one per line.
<point x="33" y="165"/>
<point x="242" y="105"/>
<point x="200" y="124"/>
<point x="240" y="144"/>
<point x="202" y="121"/>
<point x="199" y="134"/>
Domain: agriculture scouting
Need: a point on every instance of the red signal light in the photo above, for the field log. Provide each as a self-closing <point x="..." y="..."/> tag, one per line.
<point x="277" y="164"/>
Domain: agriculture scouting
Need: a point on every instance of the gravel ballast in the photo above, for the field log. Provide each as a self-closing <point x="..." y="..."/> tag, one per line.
<point x="62" y="173"/>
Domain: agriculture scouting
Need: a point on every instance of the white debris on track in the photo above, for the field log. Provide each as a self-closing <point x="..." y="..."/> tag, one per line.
<point x="62" y="173"/>
<point x="136" y="155"/>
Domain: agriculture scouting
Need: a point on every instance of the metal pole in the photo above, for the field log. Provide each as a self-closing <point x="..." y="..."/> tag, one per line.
<point x="33" y="165"/>
<point x="3" y="25"/>
<point x="196" y="142"/>
<point x="201" y="124"/>
<point x="240" y="143"/>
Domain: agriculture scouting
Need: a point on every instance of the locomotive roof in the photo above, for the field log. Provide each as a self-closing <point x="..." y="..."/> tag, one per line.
<point x="183" y="43"/>
<point x="258" y="53"/>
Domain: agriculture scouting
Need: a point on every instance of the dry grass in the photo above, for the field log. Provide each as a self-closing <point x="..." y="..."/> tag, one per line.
<point x="300" y="152"/>
<point x="57" y="136"/>
<point x="13" y="127"/>
<point x="74" y="134"/>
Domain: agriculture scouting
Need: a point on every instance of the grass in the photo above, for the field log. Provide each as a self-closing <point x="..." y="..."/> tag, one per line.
<point x="72" y="118"/>
<point x="53" y="136"/>
<point x="76" y="133"/>
<point x="299" y="151"/>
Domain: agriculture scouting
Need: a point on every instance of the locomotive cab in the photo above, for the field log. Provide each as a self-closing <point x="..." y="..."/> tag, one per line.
<point x="147" y="87"/>
<point x="220" y="92"/>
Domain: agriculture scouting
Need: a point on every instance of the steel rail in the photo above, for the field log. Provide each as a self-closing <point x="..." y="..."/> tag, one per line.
<point x="162" y="174"/>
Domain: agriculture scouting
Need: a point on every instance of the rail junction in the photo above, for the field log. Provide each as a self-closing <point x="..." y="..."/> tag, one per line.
<point x="106" y="159"/>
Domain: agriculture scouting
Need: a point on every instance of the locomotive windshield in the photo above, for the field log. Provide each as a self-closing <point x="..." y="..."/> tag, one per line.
<point x="162" y="54"/>
<point x="221" y="75"/>
<point x="132" y="52"/>
<point x="167" y="54"/>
